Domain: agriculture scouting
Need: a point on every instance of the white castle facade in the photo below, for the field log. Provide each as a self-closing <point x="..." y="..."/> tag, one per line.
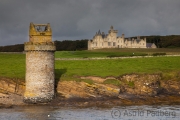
<point x="111" y="40"/>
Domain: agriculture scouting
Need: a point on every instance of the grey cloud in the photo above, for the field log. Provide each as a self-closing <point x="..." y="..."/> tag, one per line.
<point x="80" y="19"/>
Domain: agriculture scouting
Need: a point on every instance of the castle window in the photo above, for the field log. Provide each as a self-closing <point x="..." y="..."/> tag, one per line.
<point x="114" y="43"/>
<point x="109" y="43"/>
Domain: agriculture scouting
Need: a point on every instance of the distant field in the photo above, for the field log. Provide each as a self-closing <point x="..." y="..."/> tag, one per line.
<point x="115" y="52"/>
<point x="148" y="50"/>
<point x="90" y="54"/>
<point x="13" y="66"/>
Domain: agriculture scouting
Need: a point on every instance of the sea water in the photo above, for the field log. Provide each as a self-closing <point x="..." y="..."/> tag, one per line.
<point x="144" y="112"/>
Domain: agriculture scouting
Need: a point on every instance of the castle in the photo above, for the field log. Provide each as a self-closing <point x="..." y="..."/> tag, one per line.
<point x="39" y="64"/>
<point x="111" y="40"/>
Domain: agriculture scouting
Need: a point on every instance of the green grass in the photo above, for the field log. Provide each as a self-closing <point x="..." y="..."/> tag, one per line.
<point x="175" y="75"/>
<point x="13" y="66"/>
<point x="88" y="81"/>
<point x="117" y="67"/>
<point x="131" y="83"/>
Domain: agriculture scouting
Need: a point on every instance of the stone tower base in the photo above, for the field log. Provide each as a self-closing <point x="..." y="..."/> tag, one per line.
<point x="39" y="72"/>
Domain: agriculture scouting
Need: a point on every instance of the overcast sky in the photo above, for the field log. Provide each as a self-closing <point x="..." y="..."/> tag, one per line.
<point x="81" y="19"/>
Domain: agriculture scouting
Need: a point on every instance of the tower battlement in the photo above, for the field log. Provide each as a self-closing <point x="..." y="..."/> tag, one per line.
<point x="40" y="33"/>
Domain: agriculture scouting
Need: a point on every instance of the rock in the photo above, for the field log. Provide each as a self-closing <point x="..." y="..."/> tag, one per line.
<point x="10" y="86"/>
<point x="171" y="87"/>
<point x="98" y="79"/>
<point x="11" y="91"/>
<point x="6" y="106"/>
<point x="148" y="85"/>
<point x="72" y="89"/>
<point x="95" y="79"/>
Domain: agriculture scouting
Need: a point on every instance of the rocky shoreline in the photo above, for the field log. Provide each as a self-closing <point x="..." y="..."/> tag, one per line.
<point x="134" y="89"/>
<point x="112" y="102"/>
<point x="106" y="102"/>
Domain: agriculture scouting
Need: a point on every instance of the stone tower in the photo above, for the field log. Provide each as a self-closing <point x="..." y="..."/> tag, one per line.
<point x="39" y="64"/>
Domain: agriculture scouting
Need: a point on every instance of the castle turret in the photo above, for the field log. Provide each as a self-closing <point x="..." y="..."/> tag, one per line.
<point x="111" y="28"/>
<point x="113" y="32"/>
<point x="99" y="32"/>
<point x="122" y="36"/>
<point x="103" y="35"/>
<point x="39" y="64"/>
<point x="138" y="37"/>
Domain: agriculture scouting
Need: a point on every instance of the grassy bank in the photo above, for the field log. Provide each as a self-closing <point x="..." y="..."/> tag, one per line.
<point x="103" y="68"/>
<point x="13" y="66"/>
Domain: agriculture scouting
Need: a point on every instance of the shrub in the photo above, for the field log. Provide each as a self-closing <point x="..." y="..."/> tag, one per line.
<point x="127" y="55"/>
<point x="157" y="54"/>
<point x="131" y="83"/>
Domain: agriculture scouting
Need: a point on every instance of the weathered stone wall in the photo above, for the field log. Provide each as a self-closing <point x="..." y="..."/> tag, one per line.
<point x="39" y="76"/>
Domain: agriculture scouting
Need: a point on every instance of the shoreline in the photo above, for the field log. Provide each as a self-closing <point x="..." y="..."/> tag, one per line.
<point x="134" y="89"/>
<point x="112" y="102"/>
<point x="104" y="102"/>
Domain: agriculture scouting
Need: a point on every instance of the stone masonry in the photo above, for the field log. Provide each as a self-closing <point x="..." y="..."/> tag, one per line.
<point x="39" y="64"/>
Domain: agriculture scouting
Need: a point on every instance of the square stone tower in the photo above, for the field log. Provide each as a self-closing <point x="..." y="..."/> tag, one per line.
<point x="39" y="64"/>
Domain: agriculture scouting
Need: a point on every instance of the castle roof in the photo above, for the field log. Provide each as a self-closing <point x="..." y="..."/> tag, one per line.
<point x="149" y="44"/>
<point x="99" y="32"/>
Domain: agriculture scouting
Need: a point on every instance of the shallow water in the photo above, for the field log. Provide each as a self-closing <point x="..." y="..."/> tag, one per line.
<point x="69" y="113"/>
